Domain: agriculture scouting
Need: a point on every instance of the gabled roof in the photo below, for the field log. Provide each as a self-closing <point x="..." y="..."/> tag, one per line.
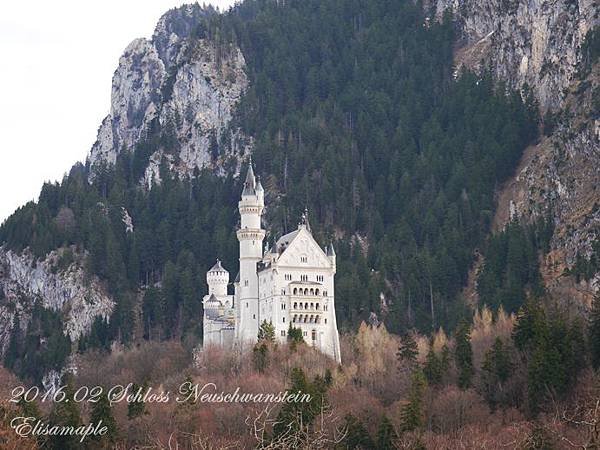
<point x="218" y="267"/>
<point x="285" y="240"/>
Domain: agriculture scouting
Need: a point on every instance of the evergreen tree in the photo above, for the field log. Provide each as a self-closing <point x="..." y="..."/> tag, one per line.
<point x="65" y="413"/>
<point x="357" y="437"/>
<point x="266" y="332"/>
<point x="102" y="412"/>
<point x="408" y="350"/>
<point x="137" y="407"/>
<point x="463" y="355"/>
<point x="386" y="435"/>
<point x="412" y="412"/>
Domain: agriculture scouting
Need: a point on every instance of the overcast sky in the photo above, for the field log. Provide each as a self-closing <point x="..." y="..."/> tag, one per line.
<point x="56" y="64"/>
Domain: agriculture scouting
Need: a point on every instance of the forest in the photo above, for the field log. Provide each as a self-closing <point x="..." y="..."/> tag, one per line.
<point x="358" y="115"/>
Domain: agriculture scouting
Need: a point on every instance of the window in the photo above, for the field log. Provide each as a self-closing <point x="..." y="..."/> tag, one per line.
<point x="316" y="292"/>
<point x="325" y="320"/>
<point x="245" y="282"/>
<point x="254" y="316"/>
<point x="283" y="306"/>
<point x="319" y="277"/>
<point x="303" y="277"/>
<point x="283" y="333"/>
<point x="324" y="293"/>
<point x="288" y="277"/>
<point x="246" y="304"/>
<point x="283" y="320"/>
<point x="303" y="259"/>
<point x="314" y="335"/>
<point x="305" y="333"/>
<point x="295" y="291"/>
<point x="325" y="307"/>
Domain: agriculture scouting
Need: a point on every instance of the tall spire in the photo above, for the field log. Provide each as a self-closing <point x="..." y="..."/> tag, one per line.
<point x="250" y="183"/>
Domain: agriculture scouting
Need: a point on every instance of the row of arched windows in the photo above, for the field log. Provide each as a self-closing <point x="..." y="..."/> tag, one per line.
<point x="307" y="291"/>
<point x="305" y="318"/>
<point x="306" y="305"/>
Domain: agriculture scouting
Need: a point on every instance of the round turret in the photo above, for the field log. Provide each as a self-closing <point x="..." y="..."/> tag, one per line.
<point x="217" y="279"/>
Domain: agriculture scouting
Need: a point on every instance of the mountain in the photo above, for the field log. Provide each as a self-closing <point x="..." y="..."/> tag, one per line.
<point x="414" y="133"/>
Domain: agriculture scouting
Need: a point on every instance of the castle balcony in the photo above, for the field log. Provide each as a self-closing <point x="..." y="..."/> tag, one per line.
<point x="306" y="318"/>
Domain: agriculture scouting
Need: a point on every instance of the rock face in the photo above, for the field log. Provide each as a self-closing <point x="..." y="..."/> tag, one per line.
<point x="538" y="43"/>
<point x="185" y="83"/>
<point x="25" y="281"/>
<point x="535" y="41"/>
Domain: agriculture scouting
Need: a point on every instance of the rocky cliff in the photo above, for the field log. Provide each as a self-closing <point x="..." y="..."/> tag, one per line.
<point x="187" y="83"/>
<point x="534" y="42"/>
<point x="68" y="290"/>
<point x="538" y="44"/>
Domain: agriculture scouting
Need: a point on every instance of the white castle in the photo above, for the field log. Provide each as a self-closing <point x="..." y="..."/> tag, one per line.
<point x="292" y="283"/>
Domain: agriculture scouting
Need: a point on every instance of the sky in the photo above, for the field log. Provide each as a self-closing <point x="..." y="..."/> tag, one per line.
<point x="57" y="59"/>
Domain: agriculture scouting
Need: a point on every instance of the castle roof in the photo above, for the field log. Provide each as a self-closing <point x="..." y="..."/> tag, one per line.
<point x="218" y="267"/>
<point x="250" y="183"/>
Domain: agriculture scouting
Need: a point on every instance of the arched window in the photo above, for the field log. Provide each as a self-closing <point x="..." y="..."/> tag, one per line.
<point x="306" y="305"/>
<point x="306" y="291"/>
<point x="316" y="292"/>
<point x="312" y="292"/>
<point x="305" y="318"/>
<point x="312" y="305"/>
<point x="294" y="318"/>
<point x="295" y="291"/>
<point x="295" y="305"/>
<point x="317" y="306"/>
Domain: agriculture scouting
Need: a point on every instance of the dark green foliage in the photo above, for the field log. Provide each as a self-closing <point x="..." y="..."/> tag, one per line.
<point x="357" y="437"/>
<point x="102" y="411"/>
<point x="408" y="350"/>
<point x="554" y="350"/>
<point x="463" y="355"/>
<point x="260" y="356"/>
<point x="386" y="435"/>
<point x="355" y="114"/>
<point x="412" y="412"/>
<point x="594" y="332"/>
<point x="294" y="336"/>
<point x="65" y="413"/>
<point x="296" y="415"/>
<point x="496" y="370"/>
<point x="436" y="366"/>
<point x="266" y="332"/>
<point x="512" y="266"/>
<point x="136" y="407"/>
<point x="41" y="348"/>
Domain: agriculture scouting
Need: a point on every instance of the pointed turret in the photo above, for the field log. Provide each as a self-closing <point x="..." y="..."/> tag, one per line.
<point x="250" y="183"/>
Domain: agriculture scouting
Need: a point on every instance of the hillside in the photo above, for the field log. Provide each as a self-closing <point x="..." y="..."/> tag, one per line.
<point x="364" y="112"/>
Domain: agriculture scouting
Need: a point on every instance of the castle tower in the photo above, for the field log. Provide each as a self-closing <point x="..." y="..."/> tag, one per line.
<point x="250" y="235"/>
<point x="217" y="279"/>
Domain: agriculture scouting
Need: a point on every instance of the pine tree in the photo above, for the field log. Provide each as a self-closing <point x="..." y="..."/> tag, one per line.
<point x="412" y="412"/>
<point x="266" y="332"/>
<point x="408" y="350"/>
<point x="594" y="332"/>
<point x="433" y="370"/>
<point x="260" y="356"/>
<point x="386" y="435"/>
<point x="463" y="355"/>
<point x="102" y="411"/>
<point x="65" y="413"/>
<point x="137" y="407"/>
<point x="357" y="437"/>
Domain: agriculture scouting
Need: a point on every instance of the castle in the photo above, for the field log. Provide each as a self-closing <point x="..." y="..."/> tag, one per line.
<point x="291" y="283"/>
